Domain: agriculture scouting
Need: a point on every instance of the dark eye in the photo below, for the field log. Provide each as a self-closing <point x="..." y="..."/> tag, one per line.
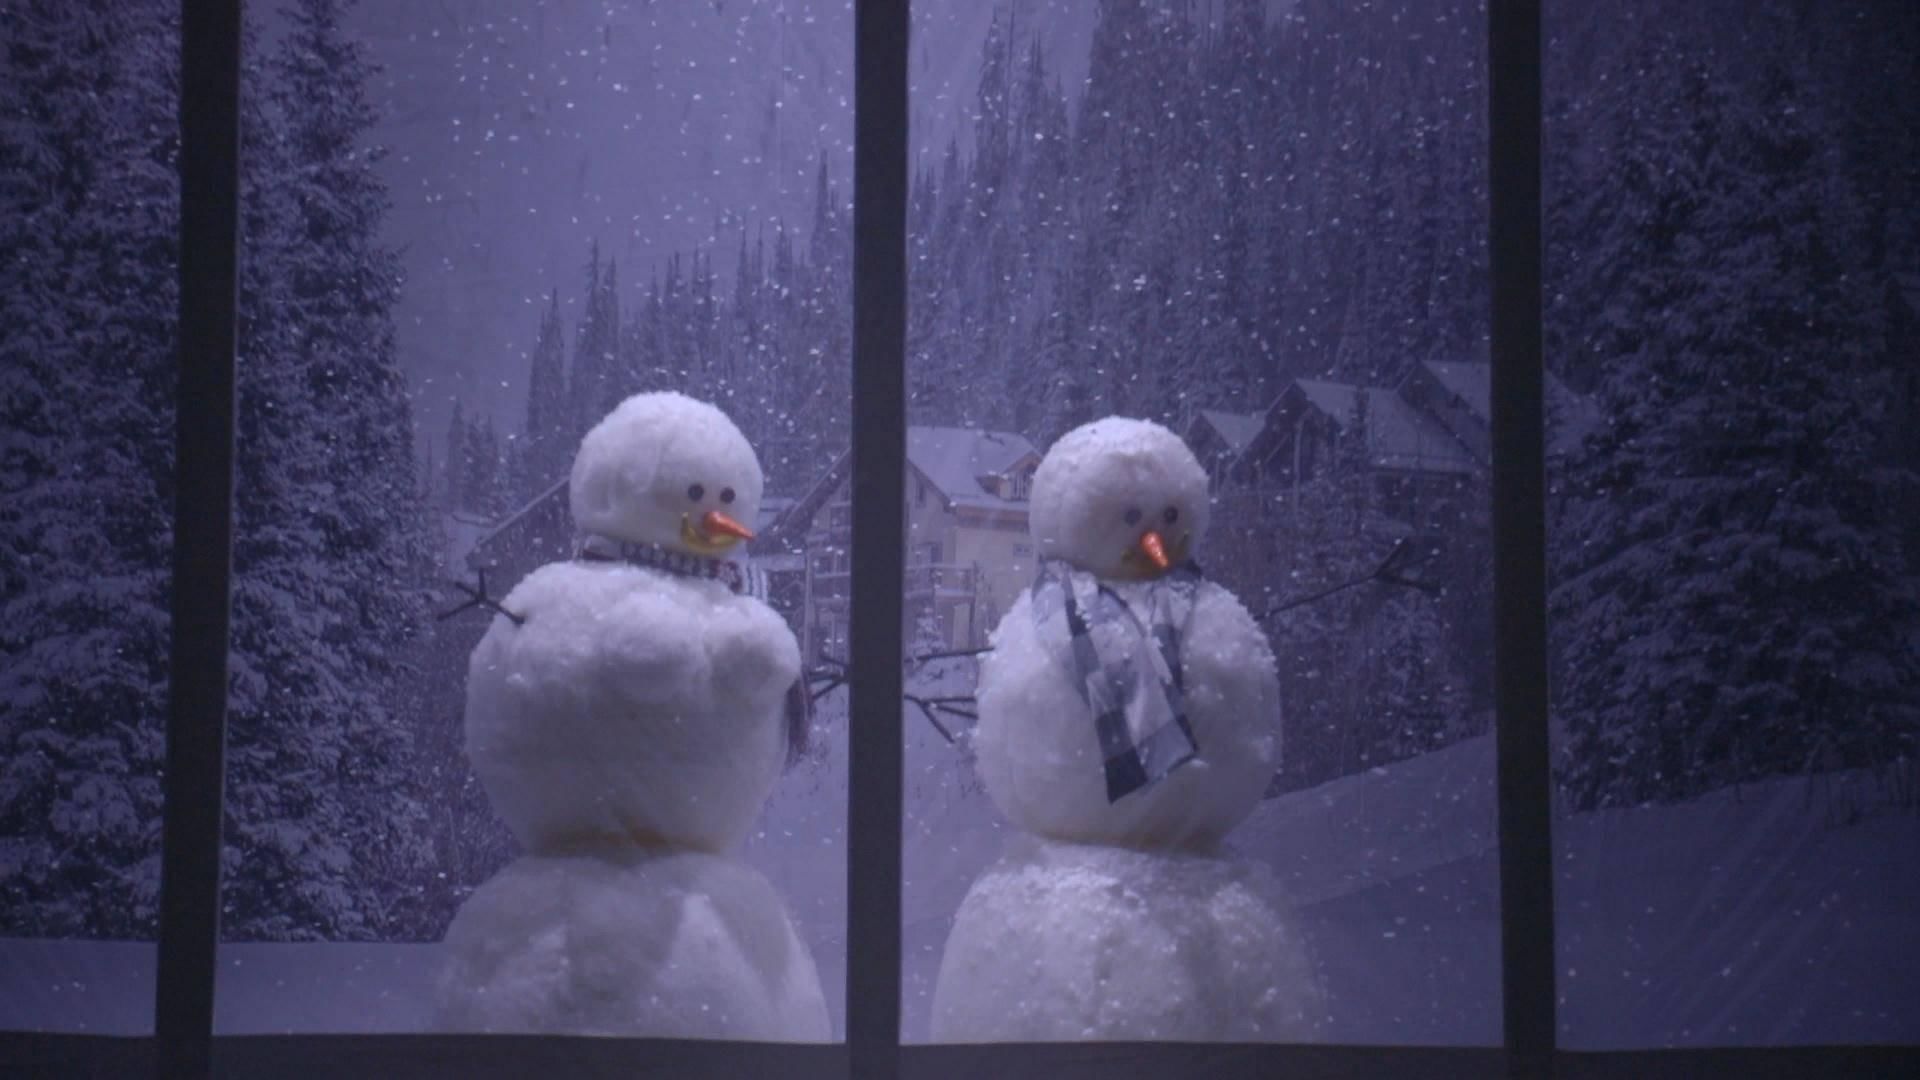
<point x="726" y="495"/>
<point x="1133" y="516"/>
<point x="696" y="492"/>
<point x="1172" y="515"/>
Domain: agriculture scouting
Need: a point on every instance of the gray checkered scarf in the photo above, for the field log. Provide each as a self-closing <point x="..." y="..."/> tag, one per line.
<point x="738" y="577"/>
<point x="1124" y="654"/>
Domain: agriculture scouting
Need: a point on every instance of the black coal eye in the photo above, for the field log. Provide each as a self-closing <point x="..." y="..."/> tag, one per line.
<point x="726" y="495"/>
<point x="1172" y="515"/>
<point x="1133" y="516"/>
<point x="696" y="492"/>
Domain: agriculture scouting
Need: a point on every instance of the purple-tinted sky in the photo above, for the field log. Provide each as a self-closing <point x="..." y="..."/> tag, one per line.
<point x="518" y="132"/>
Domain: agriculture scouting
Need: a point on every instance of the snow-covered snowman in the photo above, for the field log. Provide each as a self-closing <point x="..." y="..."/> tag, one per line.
<point x="626" y="721"/>
<point x="1129" y="718"/>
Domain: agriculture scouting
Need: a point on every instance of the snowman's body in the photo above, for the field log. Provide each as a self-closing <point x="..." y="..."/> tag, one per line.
<point x="631" y="704"/>
<point x="1038" y="757"/>
<point x="628" y="728"/>
<point x="1061" y="941"/>
<point x="1123" y="918"/>
<point x="630" y="942"/>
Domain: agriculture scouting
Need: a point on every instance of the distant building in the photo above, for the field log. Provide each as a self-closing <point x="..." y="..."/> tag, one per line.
<point x="1426" y="444"/>
<point x="968" y="553"/>
<point x="1428" y="438"/>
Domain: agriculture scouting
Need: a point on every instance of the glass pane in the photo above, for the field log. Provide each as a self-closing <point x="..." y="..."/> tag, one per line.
<point x="579" y="804"/>
<point x="89" y="213"/>
<point x="1261" y="226"/>
<point x="1732" y="246"/>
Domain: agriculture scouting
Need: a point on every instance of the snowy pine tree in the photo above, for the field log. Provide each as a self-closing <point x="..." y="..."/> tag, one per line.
<point x="1731" y="600"/>
<point x="88" y="226"/>
<point x="549" y="453"/>
<point x="324" y="825"/>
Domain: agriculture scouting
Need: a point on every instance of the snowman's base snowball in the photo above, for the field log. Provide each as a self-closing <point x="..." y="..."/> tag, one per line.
<point x="678" y="945"/>
<point x="1071" y="942"/>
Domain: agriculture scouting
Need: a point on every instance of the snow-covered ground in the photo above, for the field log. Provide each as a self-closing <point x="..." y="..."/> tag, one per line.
<point x="1743" y="918"/>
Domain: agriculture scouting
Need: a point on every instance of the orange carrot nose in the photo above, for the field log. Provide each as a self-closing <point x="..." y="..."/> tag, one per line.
<point x="1155" y="550"/>
<point x="716" y="523"/>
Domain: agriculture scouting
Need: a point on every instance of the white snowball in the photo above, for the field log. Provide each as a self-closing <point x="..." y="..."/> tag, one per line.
<point x="630" y="705"/>
<point x="1095" y="474"/>
<point x="673" y="945"/>
<point x="1039" y="756"/>
<point x="632" y="476"/>
<point x="1068" y="942"/>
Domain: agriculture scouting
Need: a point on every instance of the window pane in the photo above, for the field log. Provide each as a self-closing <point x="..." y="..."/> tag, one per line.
<point x="474" y="229"/>
<point x="1732" y="247"/>
<point x="89" y="211"/>
<point x="1263" y="227"/>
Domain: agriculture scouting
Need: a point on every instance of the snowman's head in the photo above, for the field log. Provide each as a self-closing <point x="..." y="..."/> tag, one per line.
<point x="1120" y="498"/>
<point x="665" y="469"/>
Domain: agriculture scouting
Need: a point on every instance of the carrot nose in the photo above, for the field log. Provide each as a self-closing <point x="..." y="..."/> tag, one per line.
<point x="1155" y="549"/>
<point x="716" y="523"/>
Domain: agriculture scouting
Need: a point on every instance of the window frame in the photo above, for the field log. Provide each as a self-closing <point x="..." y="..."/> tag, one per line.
<point x="183" y="1044"/>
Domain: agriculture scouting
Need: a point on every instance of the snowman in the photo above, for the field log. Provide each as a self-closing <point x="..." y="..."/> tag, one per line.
<point x="1129" y="716"/>
<point x="625" y="721"/>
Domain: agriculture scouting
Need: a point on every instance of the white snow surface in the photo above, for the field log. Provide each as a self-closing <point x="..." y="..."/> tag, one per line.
<point x="1040" y="758"/>
<point x="1073" y="941"/>
<point x="1095" y="474"/>
<point x="1744" y="918"/>
<point x="635" y="472"/>
<point x="631" y="706"/>
<point x="678" y="945"/>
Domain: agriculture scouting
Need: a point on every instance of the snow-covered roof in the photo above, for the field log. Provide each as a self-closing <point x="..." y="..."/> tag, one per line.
<point x="1573" y="416"/>
<point x="954" y="460"/>
<point x="1398" y="435"/>
<point x="1236" y="430"/>
<point x="1472" y="383"/>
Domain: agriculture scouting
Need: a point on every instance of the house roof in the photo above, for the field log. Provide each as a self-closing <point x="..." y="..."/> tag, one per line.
<point x="955" y="459"/>
<point x="1236" y="430"/>
<point x="1472" y="383"/>
<point x="1573" y="416"/>
<point x="1398" y="435"/>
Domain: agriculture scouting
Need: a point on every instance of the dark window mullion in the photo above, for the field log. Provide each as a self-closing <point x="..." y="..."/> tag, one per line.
<point x="1520" y="536"/>
<point x="879" y="516"/>
<point x="202" y="535"/>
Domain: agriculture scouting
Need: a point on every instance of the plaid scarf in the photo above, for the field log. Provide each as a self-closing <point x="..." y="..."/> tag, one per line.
<point x="738" y="577"/>
<point x="1125" y="657"/>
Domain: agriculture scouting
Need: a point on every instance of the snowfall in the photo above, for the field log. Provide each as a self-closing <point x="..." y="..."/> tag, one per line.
<point x="1768" y="915"/>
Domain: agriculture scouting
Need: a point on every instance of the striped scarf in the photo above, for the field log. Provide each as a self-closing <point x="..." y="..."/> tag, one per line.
<point x="738" y="577"/>
<point x="1124" y="654"/>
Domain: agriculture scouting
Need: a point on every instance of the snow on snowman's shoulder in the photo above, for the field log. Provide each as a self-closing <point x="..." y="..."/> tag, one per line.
<point x="752" y="650"/>
<point x="1224" y="630"/>
<point x="581" y="590"/>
